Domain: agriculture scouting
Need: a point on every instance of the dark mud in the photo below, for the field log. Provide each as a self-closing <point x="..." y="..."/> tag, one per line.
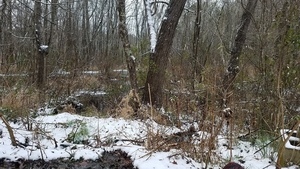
<point x="109" y="160"/>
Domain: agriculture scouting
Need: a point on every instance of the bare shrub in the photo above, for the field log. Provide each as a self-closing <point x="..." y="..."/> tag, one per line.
<point x="130" y="107"/>
<point x="66" y="85"/>
<point x="19" y="102"/>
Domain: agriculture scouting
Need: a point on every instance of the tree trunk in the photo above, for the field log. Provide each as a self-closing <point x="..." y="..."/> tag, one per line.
<point x="159" y="58"/>
<point x="41" y="37"/>
<point x="6" y="28"/>
<point x="233" y="66"/>
<point x="196" y="39"/>
<point x="130" y="59"/>
<point x="85" y="42"/>
<point x="54" y="5"/>
<point x="280" y="52"/>
<point x="42" y="50"/>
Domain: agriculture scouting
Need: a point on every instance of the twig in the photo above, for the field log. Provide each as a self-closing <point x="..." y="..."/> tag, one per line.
<point x="129" y="140"/>
<point x="248" y="134"/>
<point x="162" y="144"/>
<point x="276" y="138"/>
<point x="10" y="131"/>
<point x="230" y="142"/>
<point x="269" y="143"/>
<point x="182" y="135"/>
<point x="150" y="98"/>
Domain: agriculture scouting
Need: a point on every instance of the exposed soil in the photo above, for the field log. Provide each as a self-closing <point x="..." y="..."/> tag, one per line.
<point x="109" y="160"/>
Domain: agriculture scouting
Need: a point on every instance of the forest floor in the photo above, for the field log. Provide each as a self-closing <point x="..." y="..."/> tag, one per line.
<point x="67" y="140"/>
<point x="114" y="160"/>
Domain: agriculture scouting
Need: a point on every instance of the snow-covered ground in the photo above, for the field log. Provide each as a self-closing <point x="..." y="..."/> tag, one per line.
<point x="51" y="135"/>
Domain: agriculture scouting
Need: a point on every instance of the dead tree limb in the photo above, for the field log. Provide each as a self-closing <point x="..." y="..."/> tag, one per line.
<point x="10" y="131"/>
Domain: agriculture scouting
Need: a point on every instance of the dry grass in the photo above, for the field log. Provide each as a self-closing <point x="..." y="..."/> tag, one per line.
<point x="69" y="108"/>
<point x="202" y="106"/>
<point x="130" y="107"/>
<point x="200" y="143"/>
<point x="66" y="85"/>
<point x="192" y="143"/>
<point x="19" y="102"/>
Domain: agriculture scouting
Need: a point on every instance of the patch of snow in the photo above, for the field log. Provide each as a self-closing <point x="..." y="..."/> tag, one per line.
<point x="91" y="72"/>
<point x="132" y="57"/>
<point x="14" y="75"/>
<point x="45" y="111"/>
<point x="121" y="70"/>
<point x="288" y="145"/>
<point x="44" y="47"/>
<point x="114" y="79"/>
<point x="94" y="93"/>
<point x="62" y="72"/>
<point x="58" y="127"/>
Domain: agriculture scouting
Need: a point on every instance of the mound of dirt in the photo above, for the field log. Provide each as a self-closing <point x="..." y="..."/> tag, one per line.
<point x="110" y="159"/>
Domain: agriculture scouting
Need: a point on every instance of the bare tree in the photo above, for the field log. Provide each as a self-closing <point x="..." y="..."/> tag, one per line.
<point x="54" y="6"/>
<point x="6" y="28"/>
<point x="42" y="49"/>
<point x="85" y="30"/>
<point x="158" y="61"/>
<point x="280" y="48"/>
<point x="234" y="62"/>
<point x="196" y="39"/>
<point x="43" y="37"/>
<point x="130" y="59"/>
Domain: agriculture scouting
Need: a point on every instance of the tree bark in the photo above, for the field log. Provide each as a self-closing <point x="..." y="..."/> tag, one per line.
<point x="54" y="5"/>
<point x="85" y="31"/>
<point x="130" y="59"/>
<point x="42" y="51"/>
<point x="43" y="40"/>
<point x="196" y="39"/>
<point x="6" y="28"/>
<point x="159" y="58"/>
<point x="234" y="62"/>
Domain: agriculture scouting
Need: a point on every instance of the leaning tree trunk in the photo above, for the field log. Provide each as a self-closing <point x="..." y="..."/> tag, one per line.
<point x="153" y="91"/>
<point x="233" y="66"/>
<point x="130" y="59"/>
